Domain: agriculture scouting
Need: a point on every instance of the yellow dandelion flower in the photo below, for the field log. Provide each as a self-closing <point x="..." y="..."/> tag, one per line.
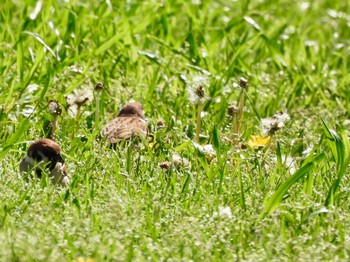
<point x="258" y="141"/>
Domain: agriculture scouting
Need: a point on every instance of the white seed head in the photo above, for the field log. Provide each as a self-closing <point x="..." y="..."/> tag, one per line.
<point x="197" y="87"/>
<point x="78" y="98"/>
<point x="271" y="125"/>
<point x="54" y="107"/>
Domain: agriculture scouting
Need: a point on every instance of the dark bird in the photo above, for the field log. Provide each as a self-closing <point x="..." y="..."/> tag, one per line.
<point x="45" y="153"/>
<point x="130" y="122"/>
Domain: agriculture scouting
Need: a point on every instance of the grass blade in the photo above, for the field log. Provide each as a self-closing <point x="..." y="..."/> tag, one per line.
<point x="276" y="198"/>
<point x="41" y="41"/>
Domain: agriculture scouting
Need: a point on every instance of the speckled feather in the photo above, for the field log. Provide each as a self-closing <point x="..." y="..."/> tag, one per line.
<point x="130" y="122"/>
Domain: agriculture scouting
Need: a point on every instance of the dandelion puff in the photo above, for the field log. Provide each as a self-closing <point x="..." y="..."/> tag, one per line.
<point x="243" y="83"/>
<point x="179" y="161"/>
<point x="196" y="88"/>
<point x="207" y="150"/>
<point x="77" y="99"/>
<point x="54" y="107"/>
<point x="269" y="126"/>
<point x="99" y="86"/>
<point x="282" y="118"/>
<point x="232" y="111"/>
<point x="223" y="213"/>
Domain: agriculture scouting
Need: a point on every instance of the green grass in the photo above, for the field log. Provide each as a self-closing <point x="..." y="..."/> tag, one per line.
<point x="286" y="204"/>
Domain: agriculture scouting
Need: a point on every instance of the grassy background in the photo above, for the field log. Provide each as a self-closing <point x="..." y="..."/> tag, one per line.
<point x="290" y="202"/>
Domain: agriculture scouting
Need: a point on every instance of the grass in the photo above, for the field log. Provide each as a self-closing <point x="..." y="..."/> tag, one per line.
<point x="287" y="201"/>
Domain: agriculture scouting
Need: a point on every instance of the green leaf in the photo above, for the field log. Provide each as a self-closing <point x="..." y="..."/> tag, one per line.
<point x="41" y="41"/>
<point x="340" y="147"/>
<point x="216" y="139"/>
<point x="277" y="197"/>
<point x="24" y="125"/>
<point x="183" y="146"/>
<point x="106" y="45"/>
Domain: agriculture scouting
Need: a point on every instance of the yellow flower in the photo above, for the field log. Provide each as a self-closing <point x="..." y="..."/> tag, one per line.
<point x="258" y="141"/>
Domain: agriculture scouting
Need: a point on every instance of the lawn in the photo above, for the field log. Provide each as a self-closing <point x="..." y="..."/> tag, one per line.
<point x="223" y="177"/>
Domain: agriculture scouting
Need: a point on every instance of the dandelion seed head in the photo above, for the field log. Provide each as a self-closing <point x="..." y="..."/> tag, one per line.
<point x="208" y="150"/>
<point x="270" y="126"/>
<point x="200" y="92"/>
<point x="78" y="98"/>
<point x="196" y="88"/>
<point x="99" y="86"/>
<point x="232" y="110"/>
<point x="179" y="161"/>
<point x="224" y="212"/>
<point x="243" y="83"/>
<point x="54" y="107"/>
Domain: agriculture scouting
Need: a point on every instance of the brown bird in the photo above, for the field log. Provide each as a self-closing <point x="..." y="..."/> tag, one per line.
<point x="46" y="153"/>
<point x="130" y="122"/>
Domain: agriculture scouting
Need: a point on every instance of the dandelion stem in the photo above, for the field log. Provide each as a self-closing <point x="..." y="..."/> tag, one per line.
<point x="239" y="114"/>
<point x="198" y="130"/>
<point x="55" y="110"/>
<point x="98" y="89"/>
<point x="235" y="128"/>
<point x="233" y="111"/>
<point x="97" y="115"/>
<point x="243" y="83"/>
<point x="54" y="126"/>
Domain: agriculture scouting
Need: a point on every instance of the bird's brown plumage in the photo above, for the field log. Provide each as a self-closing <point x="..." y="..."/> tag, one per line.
<point x="45" y="151"/>
<point x="129" y="122"/>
